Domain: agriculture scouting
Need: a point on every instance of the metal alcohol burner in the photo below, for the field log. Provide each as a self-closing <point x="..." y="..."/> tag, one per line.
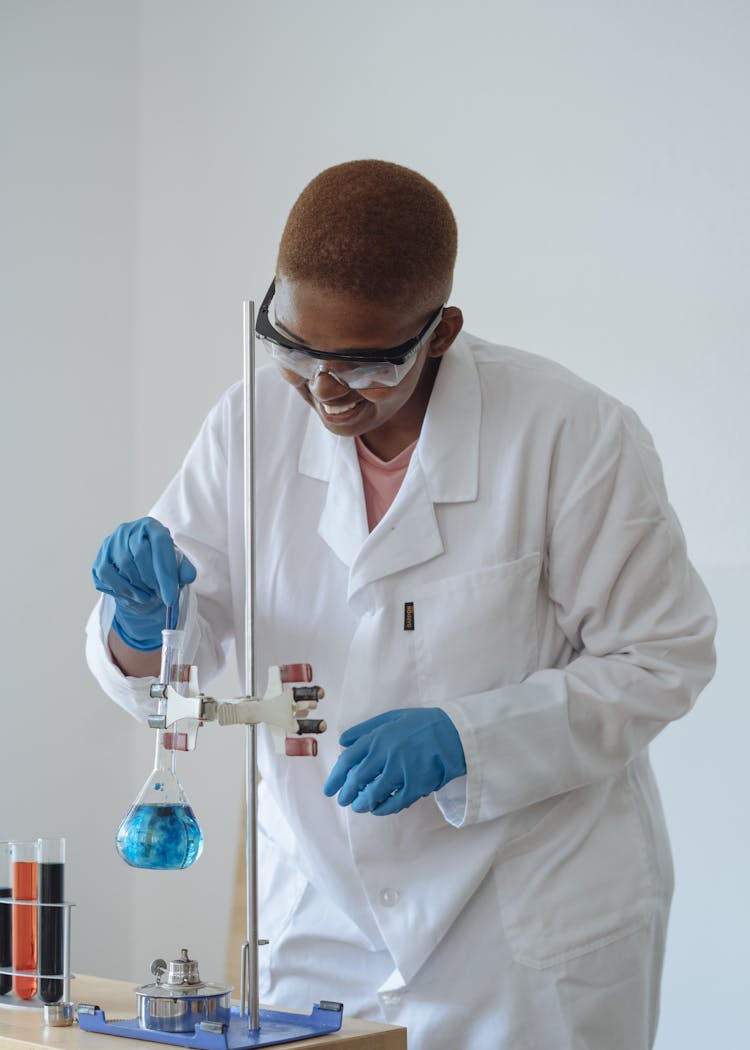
<point x="183" y="1000"/>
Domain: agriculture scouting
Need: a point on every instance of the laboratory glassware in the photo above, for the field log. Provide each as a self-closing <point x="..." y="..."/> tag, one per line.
<point x="23" y="856"/>
<point x="6" y="893"/>
<point x="160" y="830"/>
<point x="51" y="889"/>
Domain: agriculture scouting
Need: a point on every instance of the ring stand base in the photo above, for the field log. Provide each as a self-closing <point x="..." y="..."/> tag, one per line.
<point x="276" y="1026"/>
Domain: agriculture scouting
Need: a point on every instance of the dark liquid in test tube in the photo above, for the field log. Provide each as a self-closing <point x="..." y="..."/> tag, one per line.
<point x="6" y="957"/>
<point x="51" y="891"/>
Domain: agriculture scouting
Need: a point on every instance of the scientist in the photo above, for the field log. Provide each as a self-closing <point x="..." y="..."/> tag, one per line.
<point x="475" y="550"/>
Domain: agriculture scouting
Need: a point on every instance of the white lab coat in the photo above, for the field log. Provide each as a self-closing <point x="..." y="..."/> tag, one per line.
<point x="560" y="625"/>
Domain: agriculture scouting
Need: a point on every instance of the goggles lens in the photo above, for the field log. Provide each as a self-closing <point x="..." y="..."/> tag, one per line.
<point x="356" y="375"/>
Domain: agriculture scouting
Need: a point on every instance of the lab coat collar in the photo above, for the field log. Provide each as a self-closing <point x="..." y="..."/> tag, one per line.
<point x="448" y="446"/>
<point x="443" y="469"/>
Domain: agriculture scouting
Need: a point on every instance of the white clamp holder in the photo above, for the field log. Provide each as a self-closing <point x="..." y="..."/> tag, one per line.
<point x="283" y="710"/>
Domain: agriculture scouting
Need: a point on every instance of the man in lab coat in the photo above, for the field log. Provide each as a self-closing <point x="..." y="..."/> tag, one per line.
<point x="475" y="550"/>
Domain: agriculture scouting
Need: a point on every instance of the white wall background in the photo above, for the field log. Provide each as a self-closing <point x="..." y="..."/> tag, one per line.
<point x="596" y="155"/>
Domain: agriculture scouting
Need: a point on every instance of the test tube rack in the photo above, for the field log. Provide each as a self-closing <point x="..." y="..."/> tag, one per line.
<point x="63" y="1007"/>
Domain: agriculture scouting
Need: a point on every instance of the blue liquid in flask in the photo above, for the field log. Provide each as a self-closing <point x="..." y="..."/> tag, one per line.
<point x="162" y="837"/>
<point x="160" y="831"/>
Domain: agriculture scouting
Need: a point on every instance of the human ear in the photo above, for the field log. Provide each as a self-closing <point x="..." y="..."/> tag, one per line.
<point x="450" y="325"/>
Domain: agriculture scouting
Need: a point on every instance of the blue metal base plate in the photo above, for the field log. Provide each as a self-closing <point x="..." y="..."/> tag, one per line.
<point x="276" y="1026"/>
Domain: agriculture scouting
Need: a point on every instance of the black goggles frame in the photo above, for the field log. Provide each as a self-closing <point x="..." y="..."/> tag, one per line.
<point x="395" y="356"/>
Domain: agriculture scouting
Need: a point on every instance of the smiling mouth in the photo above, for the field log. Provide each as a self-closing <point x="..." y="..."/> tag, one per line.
<point x="338" y="409"/>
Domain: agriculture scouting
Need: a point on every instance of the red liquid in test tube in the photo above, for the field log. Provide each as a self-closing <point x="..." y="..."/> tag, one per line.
<point x="24" y="873"/>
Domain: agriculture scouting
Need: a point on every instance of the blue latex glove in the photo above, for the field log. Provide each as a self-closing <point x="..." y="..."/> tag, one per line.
<point x="395" y="758"/>
<point x="138" y="565"/>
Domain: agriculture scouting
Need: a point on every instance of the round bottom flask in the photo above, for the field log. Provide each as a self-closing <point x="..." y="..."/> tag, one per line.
<point x="159" y="830"/>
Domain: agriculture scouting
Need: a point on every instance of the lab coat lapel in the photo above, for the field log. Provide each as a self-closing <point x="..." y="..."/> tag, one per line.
<point x="343" y="521"/>
<point x="406" y="536"/>
<point x="443" y="469"/>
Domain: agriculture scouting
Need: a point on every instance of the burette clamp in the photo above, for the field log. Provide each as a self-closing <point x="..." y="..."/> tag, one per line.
<point x="285" y="709"/>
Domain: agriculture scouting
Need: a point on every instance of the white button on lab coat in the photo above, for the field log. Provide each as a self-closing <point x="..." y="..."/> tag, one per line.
<point x="556" y="620"/>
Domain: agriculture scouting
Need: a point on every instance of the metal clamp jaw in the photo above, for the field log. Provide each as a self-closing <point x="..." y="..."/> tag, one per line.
<point x="284" y="710"/>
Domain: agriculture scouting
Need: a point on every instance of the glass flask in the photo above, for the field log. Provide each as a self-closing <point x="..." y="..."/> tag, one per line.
<point x="160" y="830"/>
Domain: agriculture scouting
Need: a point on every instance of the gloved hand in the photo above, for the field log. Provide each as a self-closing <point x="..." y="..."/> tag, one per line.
<point x="139" y="567"/>
<point x="395" y="758"/>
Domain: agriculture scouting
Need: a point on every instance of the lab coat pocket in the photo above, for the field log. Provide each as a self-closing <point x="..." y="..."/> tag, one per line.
<point x="476" y="631"/>
<point x="580" y="879"/>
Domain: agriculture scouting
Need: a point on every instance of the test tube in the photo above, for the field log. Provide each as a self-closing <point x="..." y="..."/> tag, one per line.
<point x="51" y="919"/>
<point x="23" y="856"/>
<point x="6" y="956"/>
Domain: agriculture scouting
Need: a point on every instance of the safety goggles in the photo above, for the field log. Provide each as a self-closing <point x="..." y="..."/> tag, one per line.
<point x="357" y="369"/>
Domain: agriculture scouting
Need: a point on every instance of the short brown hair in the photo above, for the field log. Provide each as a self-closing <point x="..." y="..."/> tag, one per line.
<point x="374" y="230"/>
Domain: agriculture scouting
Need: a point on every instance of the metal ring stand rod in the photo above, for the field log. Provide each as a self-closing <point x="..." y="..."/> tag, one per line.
<point x="249" y="976"/>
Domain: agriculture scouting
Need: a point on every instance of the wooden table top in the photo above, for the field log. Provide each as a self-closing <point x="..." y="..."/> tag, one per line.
<point x="23" y="1028"/>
